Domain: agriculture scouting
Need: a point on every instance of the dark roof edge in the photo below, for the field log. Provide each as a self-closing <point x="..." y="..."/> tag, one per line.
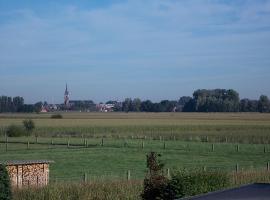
<point x="220" y="191"/>
<point x="25" y="162"/>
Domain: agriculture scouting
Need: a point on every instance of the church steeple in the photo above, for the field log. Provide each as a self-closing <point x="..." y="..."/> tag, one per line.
<point x="66" y="97"/>
<point x="66" y="91"/>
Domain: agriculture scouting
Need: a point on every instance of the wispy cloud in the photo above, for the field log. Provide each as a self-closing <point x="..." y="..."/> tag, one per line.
<point x="138" y="35"/>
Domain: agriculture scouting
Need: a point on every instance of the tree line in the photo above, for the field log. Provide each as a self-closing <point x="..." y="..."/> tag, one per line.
<point x="217" y="100"/>
<point x="16" y="104"/>
<point x="203" y="100"/>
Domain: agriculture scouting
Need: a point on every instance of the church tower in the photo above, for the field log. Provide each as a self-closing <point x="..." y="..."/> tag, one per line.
<point x="66" y="97"/>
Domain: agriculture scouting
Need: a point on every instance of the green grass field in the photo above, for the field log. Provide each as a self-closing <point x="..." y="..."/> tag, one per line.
<point x="216" y="127"/>
<point x="188" y="142"/>
<point x="117" y="156"/>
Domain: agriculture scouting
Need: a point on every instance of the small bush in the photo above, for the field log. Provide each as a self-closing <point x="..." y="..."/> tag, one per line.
<point x="189" y="183"/>
<point x="5" y="188"/>
<point x="16" y="131"/>
<point x="29" y="125"/>
<point x="155" y="183"/>
<point x="56" y="116"/>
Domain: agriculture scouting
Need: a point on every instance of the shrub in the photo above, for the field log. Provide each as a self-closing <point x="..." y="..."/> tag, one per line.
<point x="5" y="188"/>
<point x="29" y="125"/>
<point x="155" y="183"/>
<point x="15" y="131"/>
<point x="56" y="116"/>
<point x="189" y="183"/>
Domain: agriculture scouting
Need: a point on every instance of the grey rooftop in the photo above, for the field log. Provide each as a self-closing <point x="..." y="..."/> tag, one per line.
<point x="25" y="162"/>
<point x="256" y="191"/>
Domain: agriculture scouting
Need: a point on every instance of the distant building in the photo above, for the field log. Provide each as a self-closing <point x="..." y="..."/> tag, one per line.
<point x="43" y="109"/>
<point x="25" y="173"/>
<point x="66" y="97"/>
<point x="105" y="107"/>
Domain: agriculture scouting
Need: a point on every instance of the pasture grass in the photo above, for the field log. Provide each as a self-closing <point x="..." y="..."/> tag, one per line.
<point x="117" y="156"/>
<point x="188" y="141"/>
<point x="97" y="190"/>
<point x="216" y="127"/>
<point x="116" y="189"/>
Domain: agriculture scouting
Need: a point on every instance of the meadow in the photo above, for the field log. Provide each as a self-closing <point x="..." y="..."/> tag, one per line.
<point x="213" y="127"/>
<point x="110" y="144"/>
<point x="108" y="147"/>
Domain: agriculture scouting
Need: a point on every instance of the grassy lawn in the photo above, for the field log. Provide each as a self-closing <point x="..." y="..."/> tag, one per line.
<point x="218" y="127"/>
<point x="188" y="136"/>
<point x="117" y="156"/>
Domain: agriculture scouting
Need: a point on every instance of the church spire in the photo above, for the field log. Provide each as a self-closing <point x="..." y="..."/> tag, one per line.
<point x="66" y="97"/>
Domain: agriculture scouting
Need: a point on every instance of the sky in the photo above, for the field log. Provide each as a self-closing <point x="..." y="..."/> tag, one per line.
<point x="151" y="49"/>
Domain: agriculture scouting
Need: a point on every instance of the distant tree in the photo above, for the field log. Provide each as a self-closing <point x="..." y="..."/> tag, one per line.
<point x="247" y="105"/>
<point x="147" y="106"/>
<point x="183" y="100"/>
<point x="156" y="107"/>
<point x="38" y="106"/>
<point x="136" y="105"/>
<point x="29" y="125"/>
<point x="117" y="106"/>
<point x="189" y="106"/>
<point x="264" y="104"/>
<point x="253" y="105"/>
<point x="218" y="100"/>
<point x="111" y="102"/>
<point x="6" y="104"/>
<point x="18" y="102"/>
<point x="26" y="108"/>
<point x="127" y="105"/>
<point x="167" y="106"/>
<point x="5" y="188"/>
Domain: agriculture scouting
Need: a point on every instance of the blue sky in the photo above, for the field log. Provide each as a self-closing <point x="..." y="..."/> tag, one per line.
<point x="151" y="49"/>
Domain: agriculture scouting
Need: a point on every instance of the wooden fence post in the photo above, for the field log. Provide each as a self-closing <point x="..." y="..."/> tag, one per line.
<point x="68" y="143"/>
<point x="51" y="146"/>
<point x="237" y="148"/>
<point x="237" y="167"/>
<point x="6" y="142"/>
<point x="168" y="173"/>
<point x="125" y="143"/>
<point x="28" y="145"/>
<point x="164" y="145"/>
<point x="102" y="142"/>
<point x="128" y="175"/>
<point x="36" y="139"/>
<point x="85" y="177"/>
<point x="213" y="147"/>
<point x="204" y="168"/>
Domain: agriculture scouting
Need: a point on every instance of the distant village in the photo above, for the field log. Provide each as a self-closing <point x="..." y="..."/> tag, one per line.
<point x="203" y="100"/>
<point x="80" y="105"/>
